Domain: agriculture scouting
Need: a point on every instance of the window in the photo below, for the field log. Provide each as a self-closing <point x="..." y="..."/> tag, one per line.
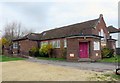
<point x="44" y="43"/>
<point x="103" y="40"/>
<point x="65" y="43"/>
<point x="15" y="45"/>
<point x="99" y="33"/>
<point x="96" y="45"/>
<point x="55" y="43"/>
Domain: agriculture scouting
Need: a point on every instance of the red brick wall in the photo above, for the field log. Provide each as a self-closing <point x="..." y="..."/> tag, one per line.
<point x="100" y="26"/>
<point x="73" y="48"/>
<point x="25" y="46"/>
<point x="95" y="52"/>
<point x="112" y="45"/>
<point x="58" y="52"/>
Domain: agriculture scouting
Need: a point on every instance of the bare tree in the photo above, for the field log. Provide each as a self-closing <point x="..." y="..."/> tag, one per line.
<point x="15" y="30"/>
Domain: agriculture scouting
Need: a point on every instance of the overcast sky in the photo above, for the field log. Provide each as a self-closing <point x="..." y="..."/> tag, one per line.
<point x="48" y="14"/>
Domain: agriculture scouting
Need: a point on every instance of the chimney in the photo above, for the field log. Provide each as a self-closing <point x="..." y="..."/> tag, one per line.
<point x="101" y="15"/>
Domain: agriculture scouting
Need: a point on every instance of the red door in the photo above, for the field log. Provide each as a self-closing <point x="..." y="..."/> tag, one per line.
<point x="84" y="50"/>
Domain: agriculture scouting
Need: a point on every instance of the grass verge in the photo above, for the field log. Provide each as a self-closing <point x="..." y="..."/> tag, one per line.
<point x="112" y="59"/>
<point x="113" y="76"/>
<point x="7" y="58"/>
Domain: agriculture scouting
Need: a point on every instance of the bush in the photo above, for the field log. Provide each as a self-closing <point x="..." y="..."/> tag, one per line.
<point x="46" y="50"/>
<point x="107" y="53"/>
<point x="34" y="52"/>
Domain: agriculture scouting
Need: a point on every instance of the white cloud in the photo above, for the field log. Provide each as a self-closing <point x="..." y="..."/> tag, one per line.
<point x="52" y="13"/>
<point x="61" y="14"/>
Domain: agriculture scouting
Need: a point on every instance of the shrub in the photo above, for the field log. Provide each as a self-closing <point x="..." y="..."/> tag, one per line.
<point x="46" y="50"/>
<point x="34" y="52"/>
<point x="107" y="53"/>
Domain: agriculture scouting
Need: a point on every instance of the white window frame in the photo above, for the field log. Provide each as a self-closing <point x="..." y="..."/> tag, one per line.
<point x="15" y="45"/>
<point x="58" y="44"/>
<point x="96" y="45"/>
<point x="55" y="43"/>
<point x="103" y="40"/>
<point x="65" y="43"/>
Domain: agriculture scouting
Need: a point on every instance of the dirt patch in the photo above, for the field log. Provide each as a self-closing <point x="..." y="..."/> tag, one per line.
<point x="29" y="71"/>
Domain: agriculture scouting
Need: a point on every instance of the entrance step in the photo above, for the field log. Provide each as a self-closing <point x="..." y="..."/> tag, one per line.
<point x="85" y="60"/>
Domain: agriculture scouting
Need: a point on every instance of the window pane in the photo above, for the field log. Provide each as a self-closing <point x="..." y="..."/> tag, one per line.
<point x="65" y="43"/>
<point x="44" y="42"/>
<point x="96" y="45"/>
<point x="15" y="45"/>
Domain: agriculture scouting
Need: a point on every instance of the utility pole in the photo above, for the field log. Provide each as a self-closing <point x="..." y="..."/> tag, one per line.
<point x="118" y="68"/>
<point x="119" y="39"/>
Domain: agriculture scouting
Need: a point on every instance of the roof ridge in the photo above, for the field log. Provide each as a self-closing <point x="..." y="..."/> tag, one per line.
<point x="70" y="25"/>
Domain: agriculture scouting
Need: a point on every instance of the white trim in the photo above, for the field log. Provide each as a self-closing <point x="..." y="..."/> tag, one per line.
<point x="96" y="45"/>
<point x="65" y="43"/>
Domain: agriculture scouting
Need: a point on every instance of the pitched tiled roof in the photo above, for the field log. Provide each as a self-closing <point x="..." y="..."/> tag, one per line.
<point x="84" y="28"/>
<point x="112" y="29"/>
<point x="79" y="28"/>
<point x="31" y="36"/>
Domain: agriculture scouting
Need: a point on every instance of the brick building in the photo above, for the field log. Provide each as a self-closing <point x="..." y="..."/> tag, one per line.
<point x="81" y="41"/>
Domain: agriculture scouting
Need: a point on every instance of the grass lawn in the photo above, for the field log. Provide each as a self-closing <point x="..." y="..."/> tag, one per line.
<point x="6" y="58"/>
<point x="112" y="59"/>
<point x="117" y="77"/>
<point x="46" y="58"/>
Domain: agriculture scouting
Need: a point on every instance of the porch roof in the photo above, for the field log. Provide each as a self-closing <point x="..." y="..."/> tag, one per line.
<point x="112" y="29"/>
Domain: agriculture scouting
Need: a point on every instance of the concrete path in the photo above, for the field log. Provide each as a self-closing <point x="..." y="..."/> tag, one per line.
<point x="94" y="66"/>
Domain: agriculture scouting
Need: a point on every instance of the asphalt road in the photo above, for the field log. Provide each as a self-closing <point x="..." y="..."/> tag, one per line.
<point x="94" y="66"/>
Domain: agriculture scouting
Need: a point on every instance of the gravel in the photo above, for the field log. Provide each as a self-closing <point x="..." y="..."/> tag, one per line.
<point x="94" y="66"/>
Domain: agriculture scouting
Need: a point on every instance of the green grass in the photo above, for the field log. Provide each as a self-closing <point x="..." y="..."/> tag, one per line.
<point x="46" y="58"/>
<point x="6" y="58"/>
<point x="112" y="59"/>
<point x="117" y="77"/>
<point x="114" y="76"/>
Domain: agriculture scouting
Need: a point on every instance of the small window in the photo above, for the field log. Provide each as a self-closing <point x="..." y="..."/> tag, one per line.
<point x="15" y="45"/>
<point x="58" y="44"/>
<point x="99" y="33"/>
<point x="44" y="43"/>
<point x="55" y="43"/>
<point x="102" y="32"/>
<point x="65" y="43"/>
<point x="96" y="45"/>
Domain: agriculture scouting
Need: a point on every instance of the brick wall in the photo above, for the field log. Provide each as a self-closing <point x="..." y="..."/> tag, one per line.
<point x="25" y="46"/>
<point x="58" y="52"/>
<point x="73" y="48"/>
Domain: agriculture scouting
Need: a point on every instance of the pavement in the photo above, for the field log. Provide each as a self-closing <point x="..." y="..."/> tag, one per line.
<point x="94" y="66"/>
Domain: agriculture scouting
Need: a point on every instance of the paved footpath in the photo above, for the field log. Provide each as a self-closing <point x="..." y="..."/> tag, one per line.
<point x="94" y="66"/>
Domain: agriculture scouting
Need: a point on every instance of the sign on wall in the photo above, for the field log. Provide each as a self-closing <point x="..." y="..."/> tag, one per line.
<point x="96" y="45"/>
